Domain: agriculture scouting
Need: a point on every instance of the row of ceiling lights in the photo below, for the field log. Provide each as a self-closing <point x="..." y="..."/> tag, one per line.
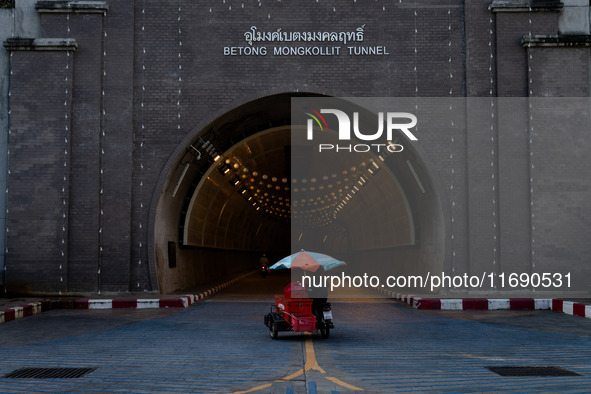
<point x="263" y="191"/>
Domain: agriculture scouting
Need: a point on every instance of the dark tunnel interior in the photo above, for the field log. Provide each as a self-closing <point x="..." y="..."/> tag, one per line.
<point x="243" y="186"/>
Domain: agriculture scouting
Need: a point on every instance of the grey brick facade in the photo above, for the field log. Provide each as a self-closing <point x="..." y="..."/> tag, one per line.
<point x="126" y="87"/>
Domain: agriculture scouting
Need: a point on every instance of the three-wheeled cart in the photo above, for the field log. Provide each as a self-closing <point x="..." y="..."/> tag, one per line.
<point x="293" y="312"/>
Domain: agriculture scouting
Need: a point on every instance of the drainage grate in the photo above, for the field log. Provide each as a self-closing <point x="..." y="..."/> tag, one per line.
<point x="532" y="371"/>
<point x="49" y="373"/>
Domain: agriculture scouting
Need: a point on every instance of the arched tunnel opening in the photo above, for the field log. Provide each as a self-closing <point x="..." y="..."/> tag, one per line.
<point x="242" y="186"/>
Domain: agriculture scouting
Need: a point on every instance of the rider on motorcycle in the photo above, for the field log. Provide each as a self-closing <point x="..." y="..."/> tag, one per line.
<point x="264" y="262"/>
<point x="319" y="296"/>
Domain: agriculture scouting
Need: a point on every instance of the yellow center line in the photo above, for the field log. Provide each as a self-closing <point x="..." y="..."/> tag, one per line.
<point x="311" y="364"/>
<point x="264" y="386"/>
<point x="341" y="383"/>
<point x="290" y="377"/>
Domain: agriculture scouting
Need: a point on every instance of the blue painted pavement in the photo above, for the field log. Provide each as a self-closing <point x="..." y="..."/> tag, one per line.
<point x="211" y="347"/>
<point x="396" y="349"/>
<point x="223" y="347"/>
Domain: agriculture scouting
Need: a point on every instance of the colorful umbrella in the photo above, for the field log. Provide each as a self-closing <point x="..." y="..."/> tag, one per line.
<point x="309" y="261"/>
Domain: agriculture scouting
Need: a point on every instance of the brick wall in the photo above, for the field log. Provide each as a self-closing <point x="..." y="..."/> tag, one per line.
<point x="39" y="161"/>
<point x="133" y="111"/>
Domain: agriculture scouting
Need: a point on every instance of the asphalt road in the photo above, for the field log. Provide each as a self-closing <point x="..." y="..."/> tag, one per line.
<point x="222" y="346"/>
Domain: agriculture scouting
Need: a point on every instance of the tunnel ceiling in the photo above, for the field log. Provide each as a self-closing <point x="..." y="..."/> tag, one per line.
<point x="244" y="194"/>
<point x="260" y="188"/>
<point x="341" y="197"/>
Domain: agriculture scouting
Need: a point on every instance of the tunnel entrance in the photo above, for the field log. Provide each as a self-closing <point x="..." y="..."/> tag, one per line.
<point x="235" y="189"/>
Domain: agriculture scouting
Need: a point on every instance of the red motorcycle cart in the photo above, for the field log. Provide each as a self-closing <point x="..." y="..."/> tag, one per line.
<point x="293" y="312"/>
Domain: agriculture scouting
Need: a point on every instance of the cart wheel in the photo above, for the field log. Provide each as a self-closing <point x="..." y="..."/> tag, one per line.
<point x="273" y="331"/>
<point x="324" y="330"/>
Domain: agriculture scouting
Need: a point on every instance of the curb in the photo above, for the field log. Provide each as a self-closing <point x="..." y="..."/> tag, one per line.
<point x="458" y="304"/>
<point x="19" y="312"/>
<point x="572" y="308"/>
<point x="185" y="301"/>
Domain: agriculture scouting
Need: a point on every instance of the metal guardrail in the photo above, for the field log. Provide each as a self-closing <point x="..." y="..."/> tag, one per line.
<point x="7" y="3"/>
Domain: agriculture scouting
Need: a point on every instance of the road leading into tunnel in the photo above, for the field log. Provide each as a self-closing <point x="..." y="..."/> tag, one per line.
<point x="222" y="346"/>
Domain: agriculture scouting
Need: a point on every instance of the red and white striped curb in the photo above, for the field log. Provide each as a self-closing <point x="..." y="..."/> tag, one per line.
<point x="145" y="303"/>
<point x="572" y="308"/>
<point x="568" y="307"/>
<point x="482" y="303"/>
<point x="18" y="312"/>
<point x="458" y="304"/>
<point x="34" y="308"/>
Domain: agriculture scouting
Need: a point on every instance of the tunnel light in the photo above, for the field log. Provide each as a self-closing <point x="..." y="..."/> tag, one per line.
<point x="209" y="148"/>
<point x="374" y="169"/>
<point x="234" y="181"/>
<point x="223" y="168"/>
